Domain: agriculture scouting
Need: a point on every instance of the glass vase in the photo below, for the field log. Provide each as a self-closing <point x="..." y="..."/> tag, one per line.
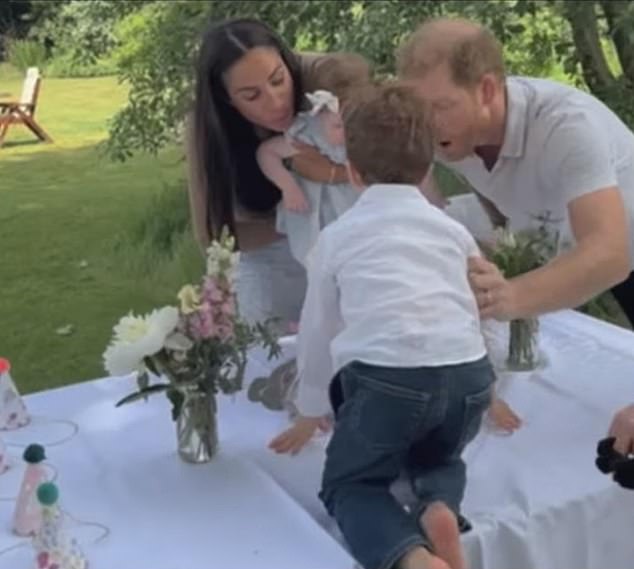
<point x="523" y="352"/>
<point x="197" y="426"/>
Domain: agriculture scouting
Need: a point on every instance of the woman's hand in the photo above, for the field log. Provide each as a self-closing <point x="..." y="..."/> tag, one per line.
<point x="309" y="163"/>
<point x="307" y="151"/>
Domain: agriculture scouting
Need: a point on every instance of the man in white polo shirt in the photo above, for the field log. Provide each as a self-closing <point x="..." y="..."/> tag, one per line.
<point x="530" y="148"/>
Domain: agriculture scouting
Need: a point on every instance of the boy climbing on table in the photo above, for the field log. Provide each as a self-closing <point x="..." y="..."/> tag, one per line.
<point x="390" y="314"/>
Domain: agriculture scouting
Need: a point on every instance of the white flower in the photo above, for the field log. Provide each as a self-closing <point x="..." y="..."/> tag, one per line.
<point x="222" y="259"/>
<point x="136" y="337"/>
<point x="507" y="238"/>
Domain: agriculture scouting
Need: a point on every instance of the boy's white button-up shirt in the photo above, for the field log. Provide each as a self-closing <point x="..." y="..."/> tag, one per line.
<point x="387" y="285"/>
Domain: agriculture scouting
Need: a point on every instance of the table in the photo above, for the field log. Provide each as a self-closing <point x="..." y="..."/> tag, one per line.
<point x="535" y="499"/>
<point x="121" y="470"/>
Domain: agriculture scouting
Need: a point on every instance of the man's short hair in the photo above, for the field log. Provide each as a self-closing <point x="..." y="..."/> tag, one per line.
<point x="469" y="49"/>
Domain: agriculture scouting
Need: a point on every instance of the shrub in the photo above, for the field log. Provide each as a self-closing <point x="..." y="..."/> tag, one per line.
<point x="23" y="54"/>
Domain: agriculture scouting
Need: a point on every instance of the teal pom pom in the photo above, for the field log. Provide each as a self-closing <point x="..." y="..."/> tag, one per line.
<point x="47" y="494"/>
<point x="34" y="454"/>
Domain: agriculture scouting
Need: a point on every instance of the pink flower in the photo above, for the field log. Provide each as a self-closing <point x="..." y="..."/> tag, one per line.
<point x="201" y="323"/>
<point x="215" y="316"/>
<point x="228" y="307"/>
<point x="212" y="291"/>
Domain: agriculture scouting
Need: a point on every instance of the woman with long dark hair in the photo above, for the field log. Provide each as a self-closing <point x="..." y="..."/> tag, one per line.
<point x="249" y="87"/>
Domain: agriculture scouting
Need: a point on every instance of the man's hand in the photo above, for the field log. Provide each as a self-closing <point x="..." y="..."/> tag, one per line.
<point x="494" y="293"/>
<point x="294" y="439"/>
<point x="622" y="429"/>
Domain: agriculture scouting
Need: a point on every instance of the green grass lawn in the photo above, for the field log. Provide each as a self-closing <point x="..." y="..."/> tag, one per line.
<point x="67" y="216"/>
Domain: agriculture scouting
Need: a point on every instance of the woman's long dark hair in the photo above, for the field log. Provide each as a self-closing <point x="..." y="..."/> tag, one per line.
<point x="226" y="143"/>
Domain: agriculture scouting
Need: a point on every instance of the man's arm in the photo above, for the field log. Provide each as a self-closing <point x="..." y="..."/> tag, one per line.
<point x="583" y="173"/>
<point x="599" y="261"/>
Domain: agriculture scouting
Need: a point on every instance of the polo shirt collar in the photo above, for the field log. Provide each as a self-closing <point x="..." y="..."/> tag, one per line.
<point x="516" y="120"/>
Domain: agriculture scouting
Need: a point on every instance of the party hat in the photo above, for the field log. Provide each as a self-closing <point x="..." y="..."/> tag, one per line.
<point x="27" y="517"/>
<point x="13" y="413"/>
<point x="54" y="548"/>
<point x="4" y="459"/>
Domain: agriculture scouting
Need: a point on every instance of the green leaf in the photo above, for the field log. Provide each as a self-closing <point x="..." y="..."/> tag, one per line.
<point x="149" y="363"/>
<point x="143" y="393"/>
<point x="177" y="399"/>
<point x="143" y="381"/>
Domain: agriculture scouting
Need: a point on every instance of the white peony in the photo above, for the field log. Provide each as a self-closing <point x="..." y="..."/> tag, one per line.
<point x="136" y="337"/>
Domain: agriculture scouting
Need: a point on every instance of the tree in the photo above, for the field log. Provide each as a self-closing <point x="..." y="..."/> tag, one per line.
<point x="81" y="30"/>
<point x="159" y="42"/>
<point x="601" y="29"/>
<point x="18" y="17"/>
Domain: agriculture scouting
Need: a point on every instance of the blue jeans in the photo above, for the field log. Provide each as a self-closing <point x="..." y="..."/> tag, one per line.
<point x="394" y="419"/>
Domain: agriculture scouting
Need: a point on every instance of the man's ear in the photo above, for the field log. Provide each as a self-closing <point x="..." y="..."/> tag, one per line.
<point x="488" y="88"/>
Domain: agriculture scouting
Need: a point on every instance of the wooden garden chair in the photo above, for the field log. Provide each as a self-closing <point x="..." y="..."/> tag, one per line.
<point x="23" y="111"/>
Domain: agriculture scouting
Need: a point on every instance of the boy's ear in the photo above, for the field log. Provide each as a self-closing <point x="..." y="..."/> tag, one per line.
<point x="428" y="179"/>
<point x="355" y="177"/>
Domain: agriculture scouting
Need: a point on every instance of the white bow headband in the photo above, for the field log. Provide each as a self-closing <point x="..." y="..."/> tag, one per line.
<point x="323" y="100"/>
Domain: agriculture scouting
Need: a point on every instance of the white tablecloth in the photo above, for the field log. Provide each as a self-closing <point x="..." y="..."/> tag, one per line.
<point x="122" y="471"/>
<point x="535" y="498"/>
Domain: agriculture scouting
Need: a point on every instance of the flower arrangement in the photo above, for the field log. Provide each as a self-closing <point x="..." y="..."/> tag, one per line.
<point x="523" y="251"/>
<point x="516" y="254"/>
<point x="200" y="347"/>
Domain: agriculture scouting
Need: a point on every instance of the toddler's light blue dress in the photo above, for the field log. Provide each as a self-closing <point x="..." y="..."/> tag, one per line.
<point x="326" y="201"/>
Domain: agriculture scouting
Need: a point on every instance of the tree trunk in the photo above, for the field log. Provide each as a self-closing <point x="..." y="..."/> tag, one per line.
<point x="585" y="32"/>
<point x="614" y="12"/>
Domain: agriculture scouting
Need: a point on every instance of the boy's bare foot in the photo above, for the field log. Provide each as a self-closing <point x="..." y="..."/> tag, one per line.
<point x="441" y="527"/>
<point x="502" y="417"/>
<point x="420" y="558"/>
